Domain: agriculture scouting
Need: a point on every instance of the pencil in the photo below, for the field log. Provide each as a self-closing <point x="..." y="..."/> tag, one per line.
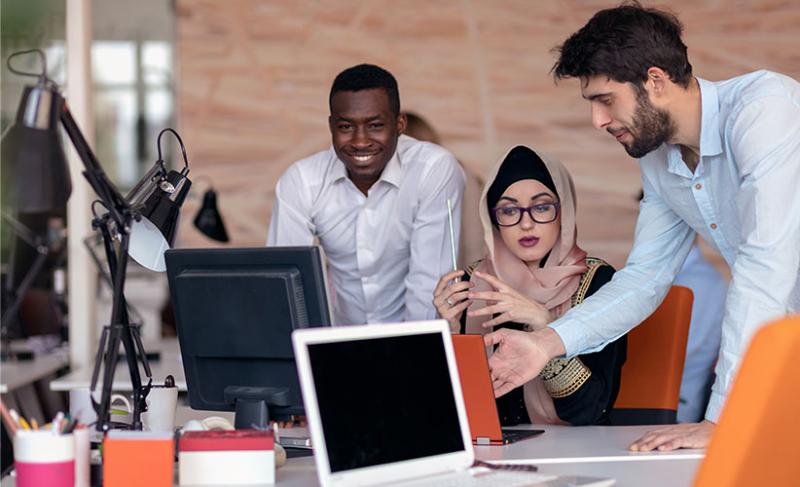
<point x="24" y="423"/>
<point x="7" y="419"/>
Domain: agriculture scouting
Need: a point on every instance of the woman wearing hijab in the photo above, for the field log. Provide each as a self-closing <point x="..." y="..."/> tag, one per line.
<point x="533" y="273"/>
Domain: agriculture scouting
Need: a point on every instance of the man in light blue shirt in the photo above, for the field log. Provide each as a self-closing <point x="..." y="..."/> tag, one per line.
<point x="719" y="159"/>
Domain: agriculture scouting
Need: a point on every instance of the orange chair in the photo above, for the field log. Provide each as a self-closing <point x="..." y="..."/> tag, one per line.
<point x="756" y="440"/>
<point x="651" y="377"/>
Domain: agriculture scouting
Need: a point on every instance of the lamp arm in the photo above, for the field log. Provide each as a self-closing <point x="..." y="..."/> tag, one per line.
<point x="120" y="330"/>
<point x="111" y="198"/>
<point x="41" y="255"/>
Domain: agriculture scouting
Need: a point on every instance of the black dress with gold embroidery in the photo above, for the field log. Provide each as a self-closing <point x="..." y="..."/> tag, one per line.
<point x="583" y="388"/>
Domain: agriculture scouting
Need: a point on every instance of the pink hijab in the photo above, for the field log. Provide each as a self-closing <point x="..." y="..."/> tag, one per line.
<point x="551" y="285"/>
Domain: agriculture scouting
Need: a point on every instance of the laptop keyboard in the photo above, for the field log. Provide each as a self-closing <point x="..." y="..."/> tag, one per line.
<point x="483" y="478"/>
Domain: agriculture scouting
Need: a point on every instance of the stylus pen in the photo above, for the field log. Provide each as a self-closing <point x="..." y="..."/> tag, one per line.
<point x="452" y="235"/>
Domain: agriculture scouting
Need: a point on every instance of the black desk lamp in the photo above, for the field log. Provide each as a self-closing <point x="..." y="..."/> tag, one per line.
<point x="208" y="219"/>
<point x="144" y="221"/>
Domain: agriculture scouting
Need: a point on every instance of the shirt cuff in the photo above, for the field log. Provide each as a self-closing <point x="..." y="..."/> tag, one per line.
<point x="714" y="409"/>
<point x="572" y="338"/>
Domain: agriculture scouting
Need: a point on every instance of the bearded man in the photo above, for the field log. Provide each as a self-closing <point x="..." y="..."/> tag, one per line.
<point x="719" y="159"/>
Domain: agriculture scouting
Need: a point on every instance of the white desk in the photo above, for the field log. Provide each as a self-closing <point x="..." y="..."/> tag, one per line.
<point x="19" y="379"/>
<point x="590" y="451"/>
<point x="169" y="364"/>
<point x="300" y="472"/>
<point x="15" y="374"/>
<point x="569" y="444"/>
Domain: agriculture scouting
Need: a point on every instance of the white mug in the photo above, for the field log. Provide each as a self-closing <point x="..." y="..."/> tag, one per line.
<point x="161" y="405"/>
<point x="81" y="409"/>
<point x="80" y="405"/>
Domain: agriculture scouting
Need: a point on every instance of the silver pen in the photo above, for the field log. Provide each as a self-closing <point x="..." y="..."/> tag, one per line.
<point x="452" y="235"/>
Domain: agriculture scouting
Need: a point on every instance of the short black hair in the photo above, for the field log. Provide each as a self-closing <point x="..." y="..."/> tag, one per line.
<point x="622" y="43"/>
<point x="366" y="77"/>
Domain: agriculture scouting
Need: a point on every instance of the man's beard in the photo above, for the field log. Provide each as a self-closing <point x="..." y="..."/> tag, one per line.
<point x="651" y="127"/>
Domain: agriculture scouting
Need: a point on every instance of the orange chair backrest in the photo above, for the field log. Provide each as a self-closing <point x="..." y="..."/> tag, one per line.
<point x="651" y="376"/>
<point x="757" y="440"/>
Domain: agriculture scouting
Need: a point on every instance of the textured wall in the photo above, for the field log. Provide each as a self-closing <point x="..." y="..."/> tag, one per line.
<point x="254" y="78"/>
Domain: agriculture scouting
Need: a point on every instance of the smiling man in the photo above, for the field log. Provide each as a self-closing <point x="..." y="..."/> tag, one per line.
<point x="377" y="202"/>
<point x="719" y="159"/>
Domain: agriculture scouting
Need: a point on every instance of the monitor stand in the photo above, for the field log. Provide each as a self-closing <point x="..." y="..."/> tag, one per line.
<point x="252" y="404"/>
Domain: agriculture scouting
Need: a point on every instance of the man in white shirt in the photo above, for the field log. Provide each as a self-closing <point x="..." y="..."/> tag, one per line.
<point x="377" y="202"/>
<point x="720" y="159"/>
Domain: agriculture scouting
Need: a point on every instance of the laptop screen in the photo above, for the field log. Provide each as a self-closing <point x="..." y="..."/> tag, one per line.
<point x="384" y="400"/>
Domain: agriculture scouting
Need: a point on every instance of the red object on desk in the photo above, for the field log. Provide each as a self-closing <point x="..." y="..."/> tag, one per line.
<point x="241" y="457"/>
<point x="232" y="440"/>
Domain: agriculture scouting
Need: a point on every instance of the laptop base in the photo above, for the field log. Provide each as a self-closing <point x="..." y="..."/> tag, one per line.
<point x="509" y="436"/>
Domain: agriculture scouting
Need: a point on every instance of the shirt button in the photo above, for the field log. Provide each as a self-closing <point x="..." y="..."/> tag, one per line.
<point x="698" y="186"/>
<point x="713" y="226"/>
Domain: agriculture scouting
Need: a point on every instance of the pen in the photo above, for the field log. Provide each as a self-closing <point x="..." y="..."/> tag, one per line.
<point x="57" y="422"/>
<point x="452" y="234"/>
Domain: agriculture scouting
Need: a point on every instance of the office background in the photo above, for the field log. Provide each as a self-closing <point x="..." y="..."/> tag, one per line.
<point x="254" y="76"/>
<point x="246" y="84"/>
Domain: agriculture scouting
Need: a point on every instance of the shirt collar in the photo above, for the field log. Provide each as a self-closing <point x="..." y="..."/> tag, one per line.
<point x="710" y="137"/>
<point x="392" y="173"/>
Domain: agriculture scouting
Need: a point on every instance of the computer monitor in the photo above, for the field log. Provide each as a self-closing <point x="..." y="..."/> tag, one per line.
<point x="235" y="311"/>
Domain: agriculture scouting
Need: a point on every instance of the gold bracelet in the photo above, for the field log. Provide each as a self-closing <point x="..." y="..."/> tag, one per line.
<point x="562" y="377"/>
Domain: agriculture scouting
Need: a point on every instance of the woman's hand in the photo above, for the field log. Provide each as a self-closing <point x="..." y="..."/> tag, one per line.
<point x="450" y="298"/>
<point x="509" y="304"/>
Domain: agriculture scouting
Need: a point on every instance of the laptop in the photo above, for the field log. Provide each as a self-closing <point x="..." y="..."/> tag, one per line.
<point x="476" y="384"/>
<point x="384" y="407"/>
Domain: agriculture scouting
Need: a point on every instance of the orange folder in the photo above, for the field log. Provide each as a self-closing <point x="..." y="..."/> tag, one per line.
<point x="138" y="458"/>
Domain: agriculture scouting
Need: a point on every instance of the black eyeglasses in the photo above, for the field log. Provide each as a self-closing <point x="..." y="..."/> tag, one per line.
<point x="508" y="216"/>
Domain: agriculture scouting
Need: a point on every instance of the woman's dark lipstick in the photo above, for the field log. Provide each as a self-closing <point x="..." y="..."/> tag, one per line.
<point x="528" y="241"/>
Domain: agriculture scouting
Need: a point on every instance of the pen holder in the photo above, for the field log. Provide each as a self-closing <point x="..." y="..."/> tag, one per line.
<point x="43" y="458"/>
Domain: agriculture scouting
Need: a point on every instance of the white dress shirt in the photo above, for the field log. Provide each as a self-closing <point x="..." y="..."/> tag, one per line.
<point x="743" y="199"/>
<point x="386" y="250"/>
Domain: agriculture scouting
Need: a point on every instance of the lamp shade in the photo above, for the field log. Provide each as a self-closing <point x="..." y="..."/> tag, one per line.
<point x="208" y="219"/>
<point x="34" y="167"/>
<point x="155" y="233"/>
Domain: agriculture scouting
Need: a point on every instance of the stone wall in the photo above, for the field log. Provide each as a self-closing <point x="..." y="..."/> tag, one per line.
<point x="254" y="78"/>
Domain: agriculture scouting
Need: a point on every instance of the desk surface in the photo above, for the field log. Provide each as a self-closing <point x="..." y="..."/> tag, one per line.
<point x="169" y="364"/>
<point x="590" y="451"/>
<point x="19" y="373"/>
<point x="568" y="444"/>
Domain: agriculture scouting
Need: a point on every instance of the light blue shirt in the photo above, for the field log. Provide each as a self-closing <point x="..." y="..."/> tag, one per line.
<point x="743" y="198"/>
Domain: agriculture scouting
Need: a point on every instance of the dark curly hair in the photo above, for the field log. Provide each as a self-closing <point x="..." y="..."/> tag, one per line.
<point x="623" y="43"/>
<point x="366" y="77"/>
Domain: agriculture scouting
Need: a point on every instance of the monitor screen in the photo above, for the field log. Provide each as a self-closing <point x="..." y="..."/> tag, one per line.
<point x="385" y="400"/>
<point x="235" y="311"/>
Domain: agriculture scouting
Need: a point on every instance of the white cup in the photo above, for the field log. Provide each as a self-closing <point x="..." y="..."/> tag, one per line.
<point x="80" y="406"/>
<point x="82" y="456"/>
<point x="43" y="458"/>
<point x="161" y="405"/>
